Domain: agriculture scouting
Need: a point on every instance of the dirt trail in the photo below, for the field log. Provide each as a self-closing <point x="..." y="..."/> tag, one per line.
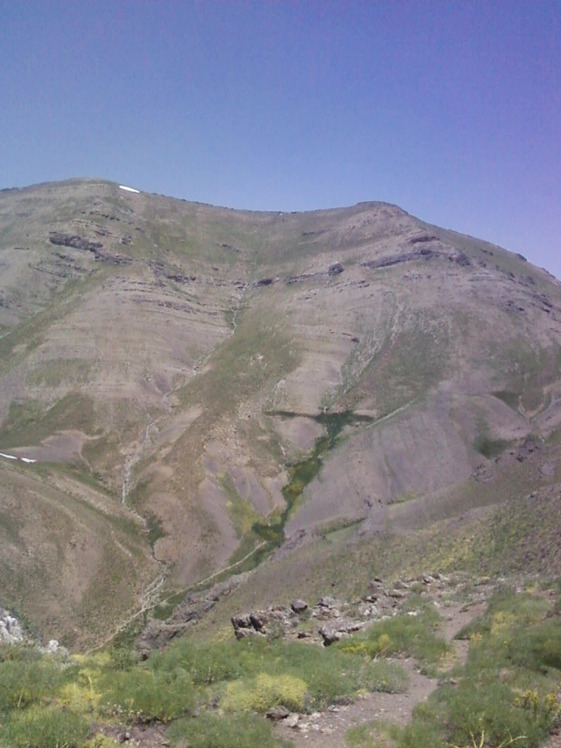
<point x="554" y="741"/>
<point x="327" y="729"/>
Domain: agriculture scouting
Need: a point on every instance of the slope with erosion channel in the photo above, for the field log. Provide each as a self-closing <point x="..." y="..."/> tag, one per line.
<point x="71" y="561"/>
<point x="187" y="358"/>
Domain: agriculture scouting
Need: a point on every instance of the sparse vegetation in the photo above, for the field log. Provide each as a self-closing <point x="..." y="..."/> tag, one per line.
<point x="414" y="633"/>
<point x="506" y="694"/>
<point x="212" y="730"/>
<point x="40" y="695"/>
<point x="215" y="693"/>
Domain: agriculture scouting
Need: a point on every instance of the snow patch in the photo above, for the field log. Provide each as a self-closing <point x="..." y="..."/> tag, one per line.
<point x="28" y="460"/>
<point x="128" y="189"/>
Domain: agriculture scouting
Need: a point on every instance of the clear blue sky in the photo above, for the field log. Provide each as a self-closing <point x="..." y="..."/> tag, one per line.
<point x="450" y="109"/>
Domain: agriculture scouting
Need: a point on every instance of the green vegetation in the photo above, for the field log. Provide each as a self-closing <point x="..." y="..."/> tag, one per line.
<point x="485" y="444"/>
<point x="413" y="633"/>
<point x="240" y="510"/>
<point x="506" y="694"/>
<point x="45" y="727"/>
<point x="228" y="683"/>
<point x="29" y="422"/>
<point x="406" y="366"/>
<point x="277" y="672"/>
<point x="212" y="730"/>
<point x="303" y="472"/>
<point x="142" y="694"/>
<point x="155" y="529"/>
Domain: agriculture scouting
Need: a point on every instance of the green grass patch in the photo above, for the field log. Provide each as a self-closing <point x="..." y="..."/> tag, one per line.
<point x="240" y="510"/>
<point x="27" y="679"/>
<point x="155" y="529"/>
<point x="29" y="421"/>
<point x="412" y="633"/>
<point x="45" y="727"/>
<point x="511" y="398"/>
<point x="507" y="692"/>
<point x="212" y="730"/>
<point x="145" y="695"/>
<point x="295" y="673"/>
<point x="485" y="444"/>
<point x="263" y="691"/>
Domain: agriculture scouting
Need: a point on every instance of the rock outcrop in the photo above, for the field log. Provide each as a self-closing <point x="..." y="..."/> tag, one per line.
<point x="10" y="628"/>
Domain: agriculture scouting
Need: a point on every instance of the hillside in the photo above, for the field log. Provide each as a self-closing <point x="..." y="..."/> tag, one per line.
<point x="197" y="383"/>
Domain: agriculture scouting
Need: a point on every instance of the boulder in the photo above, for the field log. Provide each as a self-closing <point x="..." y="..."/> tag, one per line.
<point x="299" y="606"/>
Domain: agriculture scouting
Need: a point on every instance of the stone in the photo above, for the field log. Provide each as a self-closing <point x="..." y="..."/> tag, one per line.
<point x="292" y="720"/>
<point x="258" y="620"/>
<point x="10" y="629"/>
<point x="299" y="606"/>
<point x="329" y="602"/>
<point x="335" y="269"/>
<point x="332" y="632"/>
<point x="276" y="713"/>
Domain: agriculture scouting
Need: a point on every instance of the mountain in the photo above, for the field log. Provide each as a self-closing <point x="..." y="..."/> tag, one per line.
<point x="311" y="393"/>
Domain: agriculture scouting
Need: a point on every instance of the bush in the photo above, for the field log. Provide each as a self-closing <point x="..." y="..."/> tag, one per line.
<point x="27" y="681"/>
<point x="538" y="647"/>
<point x="264" y="691"/>
<point x="228" y="731"/>
<point x="147" y="695"/>
<point x="490" y="709"/>
<point x="414" y="635"/>
<point x="331" y="675"/>
<point x="45" y="727"/>
<point x="328" y="674"/>
<point x="209" y="663"/>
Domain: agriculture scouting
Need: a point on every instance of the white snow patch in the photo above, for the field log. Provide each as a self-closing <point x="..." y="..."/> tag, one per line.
<point x="128" y="189"/>
<point x="21" y="459"/>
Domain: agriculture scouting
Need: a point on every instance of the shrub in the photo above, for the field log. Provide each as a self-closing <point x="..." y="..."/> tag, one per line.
<point x="225" y="731"/>
<point x="489" y="709"/>
<point x="147" y="695"/>
<point x="27" y="681"/>
<point x="330" y="675"/>
<point x="264" y="691"/>
<point x="538" y="647"/>
<point x="404" y="634"/>
<point x="45" y="727"/>
<point x="209" y="663"/>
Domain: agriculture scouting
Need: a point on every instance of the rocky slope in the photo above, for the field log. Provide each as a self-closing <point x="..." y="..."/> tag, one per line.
<point x="198" y="383"/>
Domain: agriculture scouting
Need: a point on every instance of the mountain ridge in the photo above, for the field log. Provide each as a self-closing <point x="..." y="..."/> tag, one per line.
<point x="205" y="380"/>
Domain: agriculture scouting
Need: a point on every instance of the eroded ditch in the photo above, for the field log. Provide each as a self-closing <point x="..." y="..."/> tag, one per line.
<point x="303" y="472"/>
<point x="184" y="607"/>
